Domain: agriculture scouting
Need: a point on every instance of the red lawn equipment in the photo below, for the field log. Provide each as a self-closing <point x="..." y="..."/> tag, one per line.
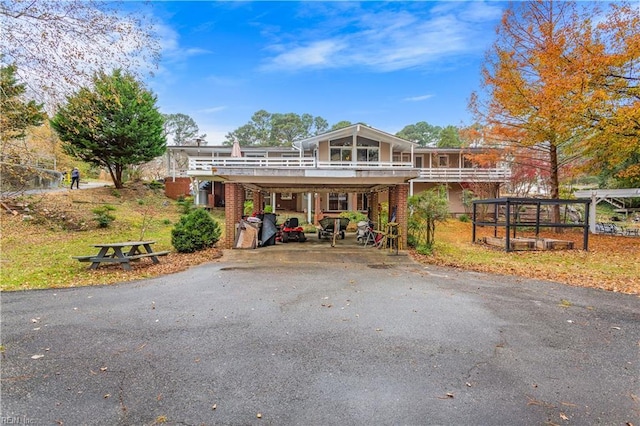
<point x="291" y="231"/>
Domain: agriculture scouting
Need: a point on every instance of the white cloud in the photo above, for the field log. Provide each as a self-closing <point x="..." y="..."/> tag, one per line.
<point x="172" y="51"/>
<point x="316" y="54"/>
<point x="387" y="40"/>
<point x="213" y="110"/>
<point x="418" y="98"/>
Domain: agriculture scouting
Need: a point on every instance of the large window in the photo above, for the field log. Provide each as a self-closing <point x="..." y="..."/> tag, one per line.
<point x="338" y="201"/>
<point x="340" y="149"/>
<point x="368" y="150"/>
<point x="340" y="154"/>
<point x="368" y="154"/>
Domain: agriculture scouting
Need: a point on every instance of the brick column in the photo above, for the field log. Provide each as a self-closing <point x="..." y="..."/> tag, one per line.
<point x="240" y="201"/>
<point x="258" y="200"/>
<point x="402" y="214"/>
<point x="233" y="209"/>
<point x="393" y="202"/>
<point x="373" y="203"/>
<point x="317" y="208"/>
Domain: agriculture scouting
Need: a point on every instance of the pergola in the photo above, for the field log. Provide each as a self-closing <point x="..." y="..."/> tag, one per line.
<point x="597" y="195"/>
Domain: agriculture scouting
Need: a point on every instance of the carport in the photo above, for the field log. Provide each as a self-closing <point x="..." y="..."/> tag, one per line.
<point x="397" y="187"/>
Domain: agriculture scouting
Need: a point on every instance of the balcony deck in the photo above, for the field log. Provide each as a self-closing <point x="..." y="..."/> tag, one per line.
<point x="208" y="165"/>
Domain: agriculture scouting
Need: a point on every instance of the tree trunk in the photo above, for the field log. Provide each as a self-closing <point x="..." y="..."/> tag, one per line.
<point x="554" y="184"/>
<point x="116" y="175"/>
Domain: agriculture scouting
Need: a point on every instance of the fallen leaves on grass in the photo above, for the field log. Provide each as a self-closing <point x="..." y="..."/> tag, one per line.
<point x="170" y="264"/>
<point x="612" y="262"/>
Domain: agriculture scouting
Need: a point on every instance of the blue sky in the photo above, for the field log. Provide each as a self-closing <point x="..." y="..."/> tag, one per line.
<point x="387" y="64"/>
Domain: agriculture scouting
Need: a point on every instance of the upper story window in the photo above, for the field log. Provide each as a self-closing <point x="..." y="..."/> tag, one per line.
<point x="370" y="154"/>
<point x="341" y="154"/>
<point x="443" y="161"/>
<point x="368" y="150"/>
<point x="340" y="150"/>
<point x="403" y="157"/>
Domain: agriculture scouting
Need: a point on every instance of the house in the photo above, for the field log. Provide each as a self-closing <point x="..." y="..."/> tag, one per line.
<point x="354" y="168"/>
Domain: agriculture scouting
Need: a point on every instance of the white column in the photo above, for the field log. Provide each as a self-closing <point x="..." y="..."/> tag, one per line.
<point x="592" y="214"/>
<point x="309" y="197"/>
<point x="273" y="201"/>
<point x="196" y="183"/>
<point x="173" y="165"/>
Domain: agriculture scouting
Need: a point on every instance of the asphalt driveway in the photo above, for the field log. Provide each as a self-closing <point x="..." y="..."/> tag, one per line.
<point x="327" y="337"/>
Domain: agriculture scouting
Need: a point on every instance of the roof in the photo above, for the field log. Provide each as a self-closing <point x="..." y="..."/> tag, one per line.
<point x="357" y="130"/>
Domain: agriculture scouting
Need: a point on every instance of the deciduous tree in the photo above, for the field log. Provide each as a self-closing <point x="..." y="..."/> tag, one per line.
<point x="340" y="125"/>
<point x="267" y="129"/>
<point x="552" y="76"/>
<point x="115" y="124"/>
<point x="58" y="45"/>
<point x="422" y="133"/>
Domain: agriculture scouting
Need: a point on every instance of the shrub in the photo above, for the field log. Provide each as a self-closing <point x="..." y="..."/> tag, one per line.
<point x="268" y="209"/>
<point x="155" y="184"/>
<point x="354" y="216"/>
<point x="195" y="231"/>
<point x="103" y="217"/>
<point x="248" y="208"/>
<point x="464" y="218"/>
<point x="425" y="249"/>
<point x="185" y="204"/>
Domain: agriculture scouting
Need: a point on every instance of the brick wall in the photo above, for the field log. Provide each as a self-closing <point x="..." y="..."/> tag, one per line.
<point x="258" y="201"/>
<point x="233" y="209"/>
<point x="402" y="214"/>
<point x="181" y="187"/>
<point x="374" y="199"/>
<point x="393" y="202"/>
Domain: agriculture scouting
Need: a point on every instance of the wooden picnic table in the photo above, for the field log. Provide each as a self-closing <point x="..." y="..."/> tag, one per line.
<point x="122" y="253"/>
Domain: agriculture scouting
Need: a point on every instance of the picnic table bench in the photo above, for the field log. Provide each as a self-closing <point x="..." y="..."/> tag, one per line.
<point x="118" y="253"/>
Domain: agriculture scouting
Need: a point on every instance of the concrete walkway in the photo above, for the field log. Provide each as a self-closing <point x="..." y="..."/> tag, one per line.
<point x="83" y="185"/>
<point x="308" y="336"/>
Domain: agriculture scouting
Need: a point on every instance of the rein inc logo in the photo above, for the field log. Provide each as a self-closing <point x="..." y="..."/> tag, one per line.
<point x="15" y="420"/>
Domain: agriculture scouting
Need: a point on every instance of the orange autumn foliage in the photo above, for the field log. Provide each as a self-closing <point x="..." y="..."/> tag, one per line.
<point x="561" y="81"/>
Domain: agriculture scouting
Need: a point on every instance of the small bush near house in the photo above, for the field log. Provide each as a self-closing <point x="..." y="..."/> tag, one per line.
<point x="195" y="231"/>
<point x="464" y="218"/>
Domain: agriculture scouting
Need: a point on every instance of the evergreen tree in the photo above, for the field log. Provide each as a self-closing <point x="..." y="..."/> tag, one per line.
<point x="114" y="125"/>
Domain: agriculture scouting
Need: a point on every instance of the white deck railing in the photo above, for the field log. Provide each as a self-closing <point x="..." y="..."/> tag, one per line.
<point x="364" y="165"/>
<point x="207" y="163"/>
<point x="464" y="174"/>
<point x="426" y="175"/>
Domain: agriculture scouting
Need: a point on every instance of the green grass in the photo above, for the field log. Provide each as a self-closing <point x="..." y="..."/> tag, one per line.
<point x="38" y="253"/>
